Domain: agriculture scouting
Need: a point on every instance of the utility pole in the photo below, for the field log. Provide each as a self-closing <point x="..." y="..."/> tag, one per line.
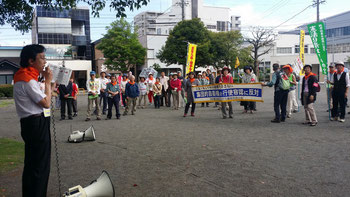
<point x="183" y="9"/>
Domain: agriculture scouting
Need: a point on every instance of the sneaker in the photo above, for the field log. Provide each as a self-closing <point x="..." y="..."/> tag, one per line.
<point x="70" y="118"/>
<point x="230" y="116"/>
<point x="283" y="120"/>
<point x="192" y="114"/>
<point x="98" y="118"/>
<point x="334" y="118"/>
<point x="75" y="115"/>
<point x="306" y="123"/>
<point x="87" y="119"/>
<point x="289" y="116"/>
<point x="107" y="118"/>
<point x="341" y="120"/>
<point x="275" y="121"/>
<point x="313" y="124"/>
<point x="295" y="111"/>
<point x="185" y="114"/>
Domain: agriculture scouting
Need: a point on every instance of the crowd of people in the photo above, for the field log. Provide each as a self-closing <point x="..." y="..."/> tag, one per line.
<point x="175" y="91"/>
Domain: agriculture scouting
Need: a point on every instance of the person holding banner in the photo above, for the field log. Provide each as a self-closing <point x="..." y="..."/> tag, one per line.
<point x="340" y="92"/>
<point x="191" y="81"/>
<point x="308" y="95"/>
<point x="226" y="78"/>
<point x="249" y="77"/>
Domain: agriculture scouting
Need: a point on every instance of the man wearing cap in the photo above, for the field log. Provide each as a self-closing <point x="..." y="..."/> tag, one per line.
<point x="226" y="78"/>
<point x="103" y="92"/>
<point x="340" y="92"/>
<point x="331" y="71"/>
<point x="164" y="81"/>
<point x="292" y="104"/>
<point x="131" y="92"/>
<point x="280" y="97"/>
<point x="93" y="87"/>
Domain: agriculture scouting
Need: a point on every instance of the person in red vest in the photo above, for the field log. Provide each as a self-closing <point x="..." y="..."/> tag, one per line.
<point x="33" y="109"/>
<point x="226" y="78"/>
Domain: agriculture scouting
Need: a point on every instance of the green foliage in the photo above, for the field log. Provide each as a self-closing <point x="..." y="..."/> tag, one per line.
<point x="348" y="60"/>
<point x="156" y="67"/>
<point x="225" y="47"/>
<point x="121" y="48"/>
<point x="6" y="90"/>
<point x="12" y="154"/>
<point x="175" y="49"/>
<point x="19" y="13"/>
<point x="245" y="57"/>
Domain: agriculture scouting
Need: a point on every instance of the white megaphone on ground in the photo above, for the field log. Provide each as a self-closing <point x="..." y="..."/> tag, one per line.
<point x="102" y="187"/>
<point x="87" y="135"/>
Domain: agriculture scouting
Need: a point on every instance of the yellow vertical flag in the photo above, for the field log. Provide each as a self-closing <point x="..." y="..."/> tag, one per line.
<point x="301" y="49"/>
<point x="237" y="62"/>
<point x="191" y="57"/>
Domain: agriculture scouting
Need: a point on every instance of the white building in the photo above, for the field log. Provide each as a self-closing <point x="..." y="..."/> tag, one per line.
<point x="154" y="27"/>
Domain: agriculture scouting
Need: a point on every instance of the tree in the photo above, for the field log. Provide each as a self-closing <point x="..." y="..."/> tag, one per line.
<point x="225" y="48"/>
<point x="19" y="13"/>
<point x="157" y="67"/>
<point x="121" y="48"/>
<point x="262" y="41"/>
<point x="175" y="49"/>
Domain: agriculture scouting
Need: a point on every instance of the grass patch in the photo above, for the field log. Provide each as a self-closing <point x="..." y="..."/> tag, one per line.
<point x="11" y="154"/>
<point x="5" y="103"/>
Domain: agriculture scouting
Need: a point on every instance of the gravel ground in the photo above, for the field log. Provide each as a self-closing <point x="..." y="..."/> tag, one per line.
<point x="157" y="152"/>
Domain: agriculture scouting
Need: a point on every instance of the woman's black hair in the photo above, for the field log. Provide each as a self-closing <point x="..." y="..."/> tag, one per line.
<point x="30" y="52"/>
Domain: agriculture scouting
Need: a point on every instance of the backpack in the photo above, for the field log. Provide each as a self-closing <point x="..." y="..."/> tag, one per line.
<point x="284" y="83"/>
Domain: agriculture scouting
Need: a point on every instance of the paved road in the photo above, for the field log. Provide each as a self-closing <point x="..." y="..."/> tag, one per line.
<point x="160" y="153"/>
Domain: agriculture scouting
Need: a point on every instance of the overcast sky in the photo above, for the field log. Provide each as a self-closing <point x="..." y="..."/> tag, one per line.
<point x="269" y="13"/>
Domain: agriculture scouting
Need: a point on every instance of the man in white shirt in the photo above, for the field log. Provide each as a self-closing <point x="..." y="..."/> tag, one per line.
<point x="103" y="92"/>
<point x="164" y="81"/>
<point x="93" y="87"/>
<point x="32" y="106"/>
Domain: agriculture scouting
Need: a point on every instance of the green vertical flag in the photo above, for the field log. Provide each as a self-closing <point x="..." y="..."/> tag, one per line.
<point x="318" y="36"/>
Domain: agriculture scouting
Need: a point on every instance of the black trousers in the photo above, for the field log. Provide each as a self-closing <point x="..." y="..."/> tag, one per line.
<point x="339" y="99"/>
<point x="103" y="98"/>
<point x="157" y="101"/>
<point x="113" y="101"/>
<point x="249" y="105"/>
<point x="35" y="132"/>
<point x="66" y="102"/>
<point x="169" y="97"/>
<point x="75" y="106"/>
<point x="187" y="107"/>
<point x="164" y="96"/>
<point x="280" y="104"/>
<point x="124" y="100"/>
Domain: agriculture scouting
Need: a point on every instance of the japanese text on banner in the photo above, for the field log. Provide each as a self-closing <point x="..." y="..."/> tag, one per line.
<point x="191" y="58"/>
<point x="318" y="37"/>
<point x="227" y="92"/>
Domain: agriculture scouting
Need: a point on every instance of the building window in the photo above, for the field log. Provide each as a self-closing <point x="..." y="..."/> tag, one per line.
<point x="297" y="49"/>
<point x="221" y="26"/>
<point x="312" y="50"/>
<point x="6" y="79"/>
<point x="211" y="26"/>
<point x="284" y="50"/>
<point x="159" y="31"/>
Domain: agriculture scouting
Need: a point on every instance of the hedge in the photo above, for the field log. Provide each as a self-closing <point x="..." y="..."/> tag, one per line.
<point x="6" y="90"/>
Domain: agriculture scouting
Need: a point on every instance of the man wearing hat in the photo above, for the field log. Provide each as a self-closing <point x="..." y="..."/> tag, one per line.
<point x="340" y="91"/>
<point x="308" y="95"/>
<point x="226" y="78"/>
<point x="103" y="92"/>
<point x="280" y="96"/>
<point x="93" y="87"/>
<point x="331" y="71"/>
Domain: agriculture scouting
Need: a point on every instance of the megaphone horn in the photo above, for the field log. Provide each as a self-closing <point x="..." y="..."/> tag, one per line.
<point x="102" y="187"/>
<point x="89" y="134"/>
<point x="76" y="136"/>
